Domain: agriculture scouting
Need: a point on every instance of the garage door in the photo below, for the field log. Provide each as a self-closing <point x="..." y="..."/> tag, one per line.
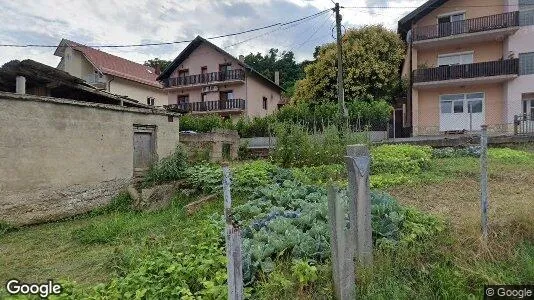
<point x="461" y="112"/>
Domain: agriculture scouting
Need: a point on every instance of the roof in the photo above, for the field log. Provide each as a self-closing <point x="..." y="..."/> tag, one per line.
<point x="194" y="45"/>
<point x="60" y="83"/>
<point x="112" y="65"/>
<point x="405" y="24"/>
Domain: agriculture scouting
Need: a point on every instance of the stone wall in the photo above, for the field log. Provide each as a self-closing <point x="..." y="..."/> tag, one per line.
<point x="212" y="142"/>
<point x="61" y="157"/>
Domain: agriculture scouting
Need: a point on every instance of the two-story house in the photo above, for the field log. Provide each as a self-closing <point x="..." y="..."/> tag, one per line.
<point x="111" y="73"/>
<point x="206" y="79"/>
<point x="469" y="63"/>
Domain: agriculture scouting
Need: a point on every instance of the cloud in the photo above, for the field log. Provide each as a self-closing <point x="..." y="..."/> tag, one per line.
<point x="148" y="21"/>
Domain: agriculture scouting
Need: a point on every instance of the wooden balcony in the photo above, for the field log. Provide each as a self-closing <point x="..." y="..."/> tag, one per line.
<point x="207" y="78"/>
<point x="483" y="72"/>
<point x="230" y="105"/>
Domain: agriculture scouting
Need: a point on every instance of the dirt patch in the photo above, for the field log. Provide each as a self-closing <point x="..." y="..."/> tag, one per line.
<point x="511" y="209"/>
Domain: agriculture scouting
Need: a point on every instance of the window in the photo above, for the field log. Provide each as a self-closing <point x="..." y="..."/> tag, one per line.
<point x="150" y="101"/>
<point x="182" y="99"/>
<point x="183" y="73"/>
<point x="455" y="59"/>
<point x="457" y="103"/>
<point x="204" y="70"/>
<point x="526" y="12"/>
<point x="451" y="23"/>
<point x="528" y="104"/>
<point x="225" y="95"/>
<point x="264" y="103"/>
<point x="526" y="63"/>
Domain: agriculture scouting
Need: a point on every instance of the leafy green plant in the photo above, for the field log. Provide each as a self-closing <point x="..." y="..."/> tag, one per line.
<point x="304" y="272"/>
<point x="204" y="123"/>
<point x="168" y="169"/>
<point x="404" y="159"/>
<point x="509" y="155"/>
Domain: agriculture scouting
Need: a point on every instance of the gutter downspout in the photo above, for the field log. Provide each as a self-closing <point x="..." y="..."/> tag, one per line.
<point x="409" y="102"/>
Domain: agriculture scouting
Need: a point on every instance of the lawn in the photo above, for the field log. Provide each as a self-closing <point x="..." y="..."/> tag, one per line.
<point x="92" y="249"/>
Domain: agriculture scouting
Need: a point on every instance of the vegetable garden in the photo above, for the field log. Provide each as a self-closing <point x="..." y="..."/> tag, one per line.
<point x="283" y="213"/>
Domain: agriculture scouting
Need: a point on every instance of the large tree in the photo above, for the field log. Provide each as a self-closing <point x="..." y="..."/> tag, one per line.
<point x="272" y="61"/>
<point x="371" y="59"/>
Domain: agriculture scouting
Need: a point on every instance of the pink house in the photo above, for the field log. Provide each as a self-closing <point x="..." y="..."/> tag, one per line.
<point x="204" y="78"/>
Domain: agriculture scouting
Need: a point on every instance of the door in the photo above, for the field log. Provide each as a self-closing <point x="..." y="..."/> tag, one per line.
<point x="461" y="112"/>
<point x="224" y="71"/>
<point x="143" y="148"/>
<point x="451" y="24"/>
<point x="224" y="99"/>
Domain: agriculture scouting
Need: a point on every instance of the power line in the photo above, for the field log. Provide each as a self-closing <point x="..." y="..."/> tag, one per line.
<point x="293" y="24"/>
<point x="174" y="42"/>
<point x="435" y="6"/>
<point x="298" y="46"/>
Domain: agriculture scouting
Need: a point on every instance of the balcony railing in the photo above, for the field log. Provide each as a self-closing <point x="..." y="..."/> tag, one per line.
<point x="237" y="74"/>
<point x="486" y="23"/>
<point x="483" y="69"/>
<point x="221" y="105"/>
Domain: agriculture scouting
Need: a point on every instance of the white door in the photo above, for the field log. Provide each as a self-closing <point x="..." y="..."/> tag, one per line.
<point x="461" y="112"/>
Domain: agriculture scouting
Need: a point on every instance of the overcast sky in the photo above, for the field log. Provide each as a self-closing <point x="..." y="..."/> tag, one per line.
<point x="144" y="21"/>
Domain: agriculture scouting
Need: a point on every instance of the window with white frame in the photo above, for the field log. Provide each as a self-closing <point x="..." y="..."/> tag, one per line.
<point x="460" y="103"/>
<point x="455" y="59"/>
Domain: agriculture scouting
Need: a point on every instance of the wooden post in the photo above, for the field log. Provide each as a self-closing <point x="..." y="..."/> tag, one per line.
<point x="358" y="162"/>
<point x="484" y="181"/>
<point x="233" y="243"/>
<point x="342" y="248"/>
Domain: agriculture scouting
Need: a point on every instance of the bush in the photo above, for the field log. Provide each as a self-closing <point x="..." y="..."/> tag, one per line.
<point x="120" y="203"/>
<point x="405" y="159"/>
<point x="168" y="169"/>
<point x="255" y="127"/>
<point x="295" y="147"/>
<point x="204" y="123"/>
<point x="509" y="155"/>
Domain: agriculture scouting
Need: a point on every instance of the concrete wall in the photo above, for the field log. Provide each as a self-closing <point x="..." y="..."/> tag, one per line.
<point x="482" y="52"/>
<point x="427" y="103"/>
<point x="472" y="9"/>
<point x="137" y="91"/>
<point x="63" y="157"/>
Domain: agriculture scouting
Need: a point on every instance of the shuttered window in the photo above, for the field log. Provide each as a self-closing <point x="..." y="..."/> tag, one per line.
<point x="526" y="63"/>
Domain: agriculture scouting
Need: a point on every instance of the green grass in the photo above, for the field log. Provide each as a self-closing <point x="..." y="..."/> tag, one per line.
<point x="96" y="247"/>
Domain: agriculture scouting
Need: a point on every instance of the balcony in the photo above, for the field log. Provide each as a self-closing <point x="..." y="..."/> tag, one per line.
<point x="471" y="30"/>
<point x="221" y="106"/>
<point x="483" y="72"/>
<point x="207" y="78"/>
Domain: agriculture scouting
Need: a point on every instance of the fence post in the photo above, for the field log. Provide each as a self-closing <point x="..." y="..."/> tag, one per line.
<point x="358" y="162"/>
<point x="342" y="246"/>
<point x="234" y="266"/>
<point x="516" y="124"/>
<point x="484" y="181"/>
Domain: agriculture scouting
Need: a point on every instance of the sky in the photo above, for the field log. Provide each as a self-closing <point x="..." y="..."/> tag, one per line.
<point x="121" y="22"/>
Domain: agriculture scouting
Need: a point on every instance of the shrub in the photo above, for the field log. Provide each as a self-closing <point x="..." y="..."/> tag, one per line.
<point x="169" y="168"/>
<point x="5" y="228"/>
<point x="509" y="155"/>
<point x="204" y="123"/>
<point x="406" y="159"/>
<point x="292" y="145"/>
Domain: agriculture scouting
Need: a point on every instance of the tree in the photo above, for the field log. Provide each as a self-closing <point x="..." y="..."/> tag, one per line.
<point x="371" y="59"/>
<point x="157" y="63"/>
<point x="290" y="70"/>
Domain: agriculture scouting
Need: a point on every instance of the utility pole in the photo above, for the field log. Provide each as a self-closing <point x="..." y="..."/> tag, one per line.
<point x="340" y="91"/>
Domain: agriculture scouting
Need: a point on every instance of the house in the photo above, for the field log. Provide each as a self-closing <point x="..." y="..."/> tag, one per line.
<point x="111" y="73"/>
<point x="66" y="147"/>
<point x="34" y="78"/>
<point x="469" y="63"/>
<point x="204" y="78"/>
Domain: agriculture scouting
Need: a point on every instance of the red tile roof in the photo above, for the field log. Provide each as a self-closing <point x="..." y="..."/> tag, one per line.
<point x="118" y="66"/>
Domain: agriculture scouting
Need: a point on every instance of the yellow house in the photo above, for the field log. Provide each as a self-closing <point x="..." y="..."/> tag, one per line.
<point x="111" y="73"/>
<point x="469" y="63"/>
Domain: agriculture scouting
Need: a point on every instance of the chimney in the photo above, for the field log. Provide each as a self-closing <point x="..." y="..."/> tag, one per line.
<point x="20" y="85"/>
<point x="277" y="77"/>
<point x="241" y="58"/>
